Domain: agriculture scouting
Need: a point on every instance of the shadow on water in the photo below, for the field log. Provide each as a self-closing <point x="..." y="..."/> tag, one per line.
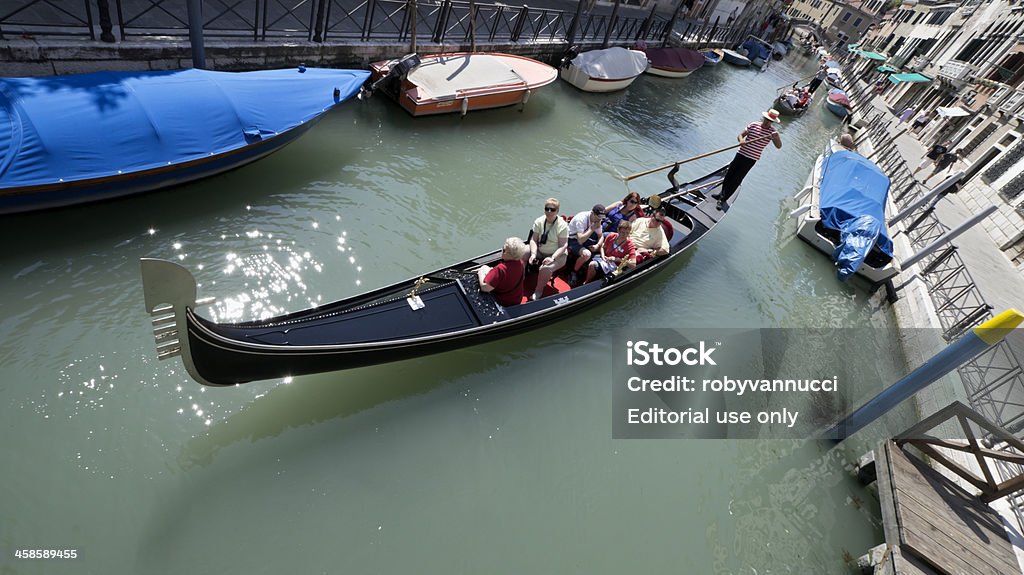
<point x="290" y="170"/>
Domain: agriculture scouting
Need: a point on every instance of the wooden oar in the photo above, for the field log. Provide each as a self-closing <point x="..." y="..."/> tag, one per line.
<point x="795" y="83"/>
<point x="667" y="166"/>
<point x="656" y="200"/>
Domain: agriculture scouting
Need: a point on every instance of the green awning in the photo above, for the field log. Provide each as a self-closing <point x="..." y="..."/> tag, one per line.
<point x="897" y="78"/>
<point x="872" y="56"/>
<point x="886" y="69"/>
<point x="852" y="47"/>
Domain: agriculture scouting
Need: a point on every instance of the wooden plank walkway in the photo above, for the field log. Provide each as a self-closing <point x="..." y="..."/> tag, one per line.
<point x="933" y="525"/>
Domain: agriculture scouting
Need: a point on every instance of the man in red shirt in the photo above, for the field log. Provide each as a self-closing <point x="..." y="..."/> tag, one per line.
<point x="753" y="138"/>
<point x="505" y="280"/>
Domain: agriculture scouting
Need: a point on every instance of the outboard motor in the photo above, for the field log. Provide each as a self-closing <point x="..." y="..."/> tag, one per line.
<point x="400" y="69"/>
<point x="571" y="53"/>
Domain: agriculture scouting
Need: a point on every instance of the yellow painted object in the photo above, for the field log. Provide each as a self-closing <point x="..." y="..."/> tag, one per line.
<point x="995" y="329"/>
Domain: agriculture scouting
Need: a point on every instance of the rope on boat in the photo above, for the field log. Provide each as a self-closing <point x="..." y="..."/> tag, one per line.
<point x="667" y="166"/>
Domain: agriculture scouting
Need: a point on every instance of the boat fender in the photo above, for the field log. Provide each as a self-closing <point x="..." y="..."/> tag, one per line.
<point x="302" y="68"/>
<point x="526" y="97"/>
<point x="465" y="106"/>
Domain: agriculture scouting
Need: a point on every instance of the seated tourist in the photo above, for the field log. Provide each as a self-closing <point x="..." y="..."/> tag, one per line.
<point x="548" y="245"/>
<point x="505" y="280"/>
<point x="628" y="209"/>
<point x="805" y="98"/>
<point x="585" y="238"/>
<point x="649" y="237"/>
<point x="617" y="248"/>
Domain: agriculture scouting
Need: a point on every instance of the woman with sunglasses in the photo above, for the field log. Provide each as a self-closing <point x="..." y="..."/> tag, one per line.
<point x="628" y="210"/>
<point x="549" y="241"/>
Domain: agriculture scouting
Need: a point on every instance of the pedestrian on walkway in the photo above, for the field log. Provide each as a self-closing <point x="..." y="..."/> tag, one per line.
<point x="919" y="122"/>
<point x="945" y="162"/>
<point x="753" y="138"/>
<point x="819" y="77"/>
<point x="932" y="156"/>
<point x="906" y="114"/>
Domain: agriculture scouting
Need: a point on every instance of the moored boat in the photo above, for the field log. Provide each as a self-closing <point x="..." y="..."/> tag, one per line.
<point x="73" y="139"/>
<point x="605" y="70"/>
<point x="735" y="58"/>
<point x="460" y="82"/>
<point x="757" y="51"/>
<point x="843" y="214"/>
<point x="673" y="62"/>
<point x="713" y="56"/>
<point x="439" y="311"/>
<point x="838" y="103"/>
<point x="788" y="104"/>
<point x="779" y="50"/>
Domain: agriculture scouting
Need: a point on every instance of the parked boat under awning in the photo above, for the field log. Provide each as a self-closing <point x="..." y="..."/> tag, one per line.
<point x="908" y="78"/>
<point x="953" y="112"/>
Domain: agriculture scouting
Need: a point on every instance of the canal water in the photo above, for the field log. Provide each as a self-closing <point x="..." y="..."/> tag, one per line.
<point x="493" y="459"/>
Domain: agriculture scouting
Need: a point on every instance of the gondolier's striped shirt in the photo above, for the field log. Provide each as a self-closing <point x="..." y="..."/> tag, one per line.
<point x="753" y="147"/>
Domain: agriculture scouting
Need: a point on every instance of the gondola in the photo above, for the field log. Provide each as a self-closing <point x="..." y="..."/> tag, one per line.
<point x="787" y="108"/>
<point x="439" y="311"/>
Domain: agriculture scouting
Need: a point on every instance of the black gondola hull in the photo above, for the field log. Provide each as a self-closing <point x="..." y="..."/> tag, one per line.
<point x="382" y="326"/>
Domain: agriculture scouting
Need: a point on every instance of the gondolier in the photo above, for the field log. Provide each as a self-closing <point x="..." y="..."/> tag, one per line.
<point x="754" y="138"/>
<point x="818" y="79"/>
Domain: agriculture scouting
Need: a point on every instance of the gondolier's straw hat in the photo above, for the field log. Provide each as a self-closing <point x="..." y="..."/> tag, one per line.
<point x="772" y="115"/>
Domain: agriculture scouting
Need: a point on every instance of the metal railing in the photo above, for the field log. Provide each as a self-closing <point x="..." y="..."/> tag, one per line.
<point x="47" y="17"/>
<point x="437" y="21"/>
<point x="994" y="380"/>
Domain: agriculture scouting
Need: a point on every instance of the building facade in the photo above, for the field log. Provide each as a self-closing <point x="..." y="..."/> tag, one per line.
<point x="839" y="21"/>
<point x="974" y="54"/>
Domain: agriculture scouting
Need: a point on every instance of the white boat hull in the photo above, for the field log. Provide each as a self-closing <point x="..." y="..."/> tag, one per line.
<point x="588" y="83"/>
<point x="807" y="223"/>
<point x="666" y="73"/>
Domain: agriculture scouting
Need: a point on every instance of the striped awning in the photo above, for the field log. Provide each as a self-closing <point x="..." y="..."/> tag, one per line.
<point x="908" y="78"/>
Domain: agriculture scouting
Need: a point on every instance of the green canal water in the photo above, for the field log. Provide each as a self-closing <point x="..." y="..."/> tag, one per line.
<point x="493" y="459"/>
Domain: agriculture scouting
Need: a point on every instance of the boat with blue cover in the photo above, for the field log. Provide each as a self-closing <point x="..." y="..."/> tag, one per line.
<point x="842" y="214"/>
<point x="73" y="139"/>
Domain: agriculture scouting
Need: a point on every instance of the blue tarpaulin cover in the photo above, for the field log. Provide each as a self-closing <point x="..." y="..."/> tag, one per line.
<point x="66" y="128"/>
<point x="853" y="194"/>
<point x="756" y="49"/>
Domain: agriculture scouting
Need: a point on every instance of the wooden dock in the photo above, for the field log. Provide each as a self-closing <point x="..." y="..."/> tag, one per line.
<point x="932" y="525"/>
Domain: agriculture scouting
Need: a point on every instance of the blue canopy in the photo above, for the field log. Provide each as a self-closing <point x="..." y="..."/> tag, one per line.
<point x="756" y="49"/>
<point x="853" y="194"/>
<point x="61" y="129"/>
